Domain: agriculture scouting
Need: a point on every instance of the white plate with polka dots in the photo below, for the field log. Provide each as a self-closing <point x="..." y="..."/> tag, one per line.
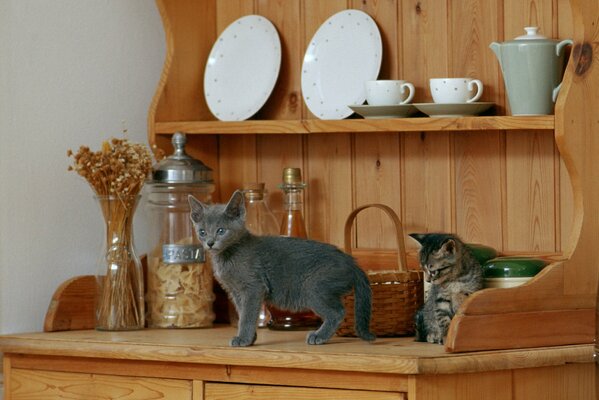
<point x="345" y="52"/>
<point x="242" y="68"/>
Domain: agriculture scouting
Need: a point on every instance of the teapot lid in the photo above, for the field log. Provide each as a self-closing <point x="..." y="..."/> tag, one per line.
<point x="532" y="33"/>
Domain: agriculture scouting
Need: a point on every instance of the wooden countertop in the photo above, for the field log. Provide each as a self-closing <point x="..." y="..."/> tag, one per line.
<point x="285" y="350"/>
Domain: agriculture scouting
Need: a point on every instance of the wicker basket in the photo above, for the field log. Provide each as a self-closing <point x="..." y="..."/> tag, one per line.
<point x="396" y="295"/>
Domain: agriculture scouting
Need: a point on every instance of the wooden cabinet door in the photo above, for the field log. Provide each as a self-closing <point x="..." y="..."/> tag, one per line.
<point x="29" y="385"/>
<point x="223" y="391"/>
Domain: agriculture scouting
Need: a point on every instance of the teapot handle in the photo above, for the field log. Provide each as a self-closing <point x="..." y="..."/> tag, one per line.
<point x="556" y="92"/>
<point x="558" y="50"/>
<point x="561" y="45"/>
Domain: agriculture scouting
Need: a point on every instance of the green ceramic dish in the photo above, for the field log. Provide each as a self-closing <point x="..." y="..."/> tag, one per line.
<point x="481" y="252"/>
<point x="513" y="267"/>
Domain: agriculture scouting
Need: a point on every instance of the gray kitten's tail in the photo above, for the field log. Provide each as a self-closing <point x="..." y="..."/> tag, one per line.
<point x="363" y="305"/>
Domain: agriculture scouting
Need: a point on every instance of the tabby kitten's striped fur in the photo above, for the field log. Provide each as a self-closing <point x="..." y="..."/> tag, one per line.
<point x="453" y="273"/>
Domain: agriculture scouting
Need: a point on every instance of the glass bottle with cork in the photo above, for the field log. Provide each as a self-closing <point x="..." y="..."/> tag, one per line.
<point x="293" y="225"/>
<point x="259" y="220"/>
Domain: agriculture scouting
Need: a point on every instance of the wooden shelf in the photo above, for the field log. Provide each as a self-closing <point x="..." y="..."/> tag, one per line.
<point x="306" y="126"/>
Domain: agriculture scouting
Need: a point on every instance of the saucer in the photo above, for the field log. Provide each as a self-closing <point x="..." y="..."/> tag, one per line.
<point x="453" y="109"/>
<point x="394" y="111"/>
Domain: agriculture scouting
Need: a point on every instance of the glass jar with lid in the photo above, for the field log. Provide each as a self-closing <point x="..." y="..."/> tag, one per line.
<point x="179" y="280"/>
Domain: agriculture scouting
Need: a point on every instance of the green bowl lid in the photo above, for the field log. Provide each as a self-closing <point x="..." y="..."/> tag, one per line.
<point x="481" y="252"/>
<point x="513" y="267"/>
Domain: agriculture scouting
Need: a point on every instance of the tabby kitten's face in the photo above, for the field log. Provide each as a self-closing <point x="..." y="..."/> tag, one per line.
<point x="218" y="226"/>
<point x="438" y="256"/>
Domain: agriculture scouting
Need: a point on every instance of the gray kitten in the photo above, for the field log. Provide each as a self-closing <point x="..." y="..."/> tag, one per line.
<point x="289" y="273"/>
<point x="454" y="274"/>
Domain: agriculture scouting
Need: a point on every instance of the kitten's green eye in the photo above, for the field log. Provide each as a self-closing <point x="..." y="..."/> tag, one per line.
<point x="220" y="231"/>
<point x="202" y="232"/>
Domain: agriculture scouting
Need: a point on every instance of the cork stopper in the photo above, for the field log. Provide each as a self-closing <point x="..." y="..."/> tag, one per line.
<point x="254" y="186"/>
<point x="292" y="176"/>
<point x="254" y="190"/>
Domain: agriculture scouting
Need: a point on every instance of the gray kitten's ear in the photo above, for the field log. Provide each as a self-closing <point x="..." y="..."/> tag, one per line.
<point x="419" y="237"/>
<point x="449" y="246"/>
<point x="236" y="206"/>
<point x="197" y="208"/>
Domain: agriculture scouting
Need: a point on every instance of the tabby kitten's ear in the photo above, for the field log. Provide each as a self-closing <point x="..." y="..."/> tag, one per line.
<point x="197" y="209"/>
<point x="236" y="206"/>
<point x="449" y="247"/>
<point x="419" y="237"/>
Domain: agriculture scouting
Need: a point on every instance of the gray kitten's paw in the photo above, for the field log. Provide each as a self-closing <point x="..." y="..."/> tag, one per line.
<point x="313" y="338"/>
<point x="239" y="342"/>
<point x="432" y="338"/>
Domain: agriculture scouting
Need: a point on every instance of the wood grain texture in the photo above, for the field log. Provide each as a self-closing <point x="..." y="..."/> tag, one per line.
<point x="578" y="142"/>
<point x="574" y="381"/>
<point x="376" y="179"/>
<point x="540" y="293"/>
<point x="199" y="372"/>
<point x="565" y="24"/>
<point x="530" y="193"/>
<point x="198" y="390"/>
<point x="274" y="154"/>
<point x="426" y="162"/>
<point x="385" y="13"/>
<point x="281" y="350"/>
<point x="427" y="193"/>
<point x="487" y="386"/>
<point x="478" y="188"/>
<point x="521" y="330"/>
<point x="530" y="159"/>
<point x="217" y="391"/>
<point x="364" y="126"/>
<point x="424" y="40"/>
<point x="328" y="158"/>
<point x="473" y="25"/>
<point x="29" y="385"/>
<point x="181" y="96"/>
<point x="237" y="163"/>
<point x="330" y="195"/>
<point x="286" y="100"/>
<point x="72" y="305"/>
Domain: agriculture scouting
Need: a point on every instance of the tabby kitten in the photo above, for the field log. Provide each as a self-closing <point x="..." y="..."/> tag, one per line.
<point x="453" y="273"/>
<point x="289" y="273"/>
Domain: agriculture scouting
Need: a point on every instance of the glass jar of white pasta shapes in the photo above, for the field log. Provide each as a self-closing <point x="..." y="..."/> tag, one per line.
<point x="179" y="280"/>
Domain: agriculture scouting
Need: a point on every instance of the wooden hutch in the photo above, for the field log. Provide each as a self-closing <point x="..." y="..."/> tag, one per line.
<point x="524" y="185"/>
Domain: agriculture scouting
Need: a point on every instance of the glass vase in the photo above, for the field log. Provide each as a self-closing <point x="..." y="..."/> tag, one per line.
<point x="120" y="291"/>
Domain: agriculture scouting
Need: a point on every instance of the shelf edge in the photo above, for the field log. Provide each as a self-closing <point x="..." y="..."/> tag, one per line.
<point x="391" y="125"/>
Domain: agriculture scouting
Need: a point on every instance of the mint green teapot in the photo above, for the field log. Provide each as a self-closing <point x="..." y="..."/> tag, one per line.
<point x="532" y="68"/>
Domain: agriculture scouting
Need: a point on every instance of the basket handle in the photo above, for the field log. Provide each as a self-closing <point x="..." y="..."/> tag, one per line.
<point x="401" y="248"/>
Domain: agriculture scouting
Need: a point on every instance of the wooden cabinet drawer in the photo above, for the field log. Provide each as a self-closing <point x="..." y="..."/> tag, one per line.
<point x="33" y="384"/>
<point x="223" y="391"/>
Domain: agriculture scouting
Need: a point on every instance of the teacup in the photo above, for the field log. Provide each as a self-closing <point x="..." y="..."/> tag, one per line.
<point x="455" y="90"/>
<point x="389" y="92"/>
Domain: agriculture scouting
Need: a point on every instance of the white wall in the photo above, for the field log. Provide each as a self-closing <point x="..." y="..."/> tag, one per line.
<point x="72" y="72"/>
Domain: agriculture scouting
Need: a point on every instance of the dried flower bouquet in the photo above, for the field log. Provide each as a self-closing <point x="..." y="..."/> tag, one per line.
<point x="116" y="174"/>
